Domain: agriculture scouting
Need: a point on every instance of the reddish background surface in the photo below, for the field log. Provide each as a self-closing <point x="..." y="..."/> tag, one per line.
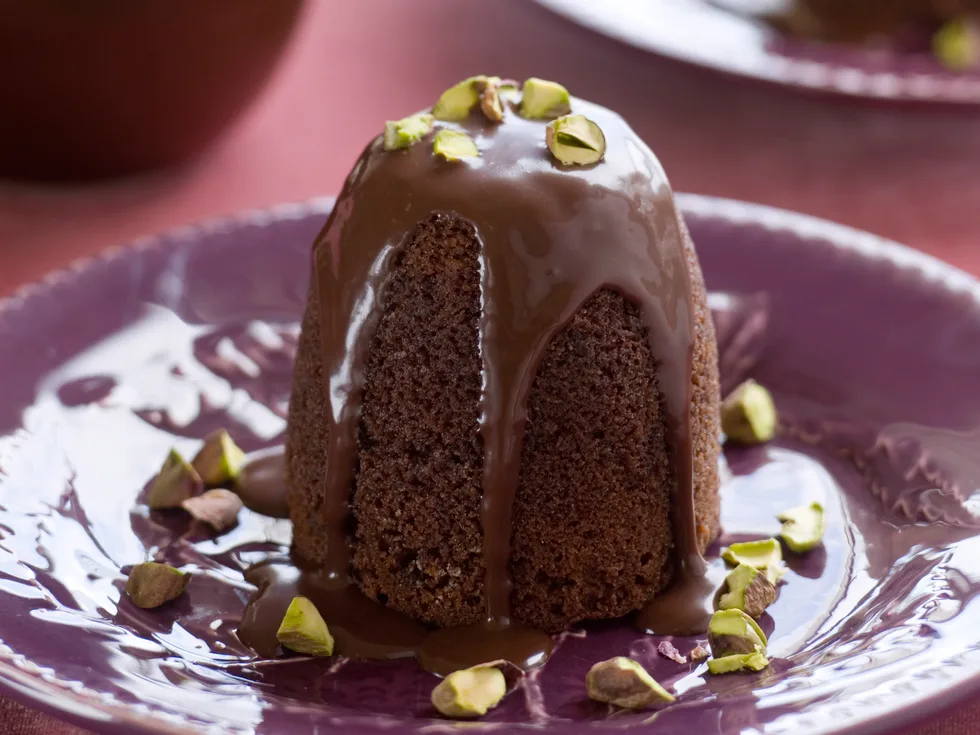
<point x="911" y="175"/>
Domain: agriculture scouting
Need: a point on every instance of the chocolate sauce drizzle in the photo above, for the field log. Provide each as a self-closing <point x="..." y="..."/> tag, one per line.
<point x="550" y="237"/>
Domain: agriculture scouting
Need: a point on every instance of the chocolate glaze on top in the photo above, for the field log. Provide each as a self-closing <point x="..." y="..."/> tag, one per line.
<point x="551" y="237"/>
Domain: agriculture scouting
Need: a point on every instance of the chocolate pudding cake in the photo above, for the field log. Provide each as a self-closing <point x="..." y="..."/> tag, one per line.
<point x="505" y="410"/>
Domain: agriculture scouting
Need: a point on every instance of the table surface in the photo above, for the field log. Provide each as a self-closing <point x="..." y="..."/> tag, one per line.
<point x="906" y="174"/>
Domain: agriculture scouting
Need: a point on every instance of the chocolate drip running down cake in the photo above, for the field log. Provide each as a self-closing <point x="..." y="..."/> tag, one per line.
<point x="504" y="416"/>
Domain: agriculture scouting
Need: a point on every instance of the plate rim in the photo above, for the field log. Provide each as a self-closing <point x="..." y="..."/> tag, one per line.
<point x="840" y="81"/>
<point x="41" y="690"/>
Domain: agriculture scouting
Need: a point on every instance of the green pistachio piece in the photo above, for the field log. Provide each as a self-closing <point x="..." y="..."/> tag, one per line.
<point x="458" y="101"/>
<point x="151" y="584"/>
<point x="748" y="415"/>
<point x="749" y="590"/>
<point x="739" y="662"/>
<point x="803" y="527"/>
<point x="218" y="508"/>
<point x="624" y="683"/>
<point x="176" y="482"/>
<point x="303" y="629"/>
<point x="544" y="100"/>
<point x="575" y="140"/>
<point x="454" y="145"/>
<point x="732" y="631"/>
<point x="408" y="131"/>
<point x="220" y="460"/>
<point x="470" y="692"/>
<point x="957" y="44"/>
<point x="766" y="555"/>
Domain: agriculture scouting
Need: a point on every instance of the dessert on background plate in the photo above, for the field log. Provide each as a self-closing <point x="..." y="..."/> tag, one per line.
<point x="915" y="52"/>
<point x="948" y="28"/>
<point x="507" y="273"/>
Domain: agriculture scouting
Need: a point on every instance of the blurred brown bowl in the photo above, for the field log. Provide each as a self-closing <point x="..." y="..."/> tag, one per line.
<point x="95" y="88"/>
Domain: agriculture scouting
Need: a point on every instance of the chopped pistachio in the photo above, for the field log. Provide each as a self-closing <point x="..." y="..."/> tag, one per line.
<point x="491" y="103"/>
<point x="218" y="508"/>
<point x="803" y="527"/>
<point x="748" y="415"/>
<point x="765" y="555"/>
<point x="176" y="482"/>
<point x="151" y="584"/>
<point x="738" y="662"/>
<point x="669" y="650"/>
<point x="957" y="44"/>
<point x="749" y="590"/>
<point x="408" y="131"/>
<point x="220" y="460"/>
<point x="732" y="631"/>
<point x="470" y="692"/>
<point x="575" y="140"/>
<point x="544" y="100"/>
<point x="458" y="101"/>
<point x="303" y="629"/>
<point x="454" y="145"/>
<point x="700" y="652"/>
<point x="624" y="683"/>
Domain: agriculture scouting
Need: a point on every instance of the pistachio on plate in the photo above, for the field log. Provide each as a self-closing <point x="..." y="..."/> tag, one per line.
<point x="624" y="683"/>
<point x="220" y="460"/>
<point x="754" y="661"/>
<point x="304" y="630"/>
<point x="151" y="584"/>
<point x="734" y="632"/>
<point x="544" y="100"/>
<point x="454" y="145"/>
<point x="765" y="555"/>
<point x="749" y="590"/>
<point x="957" y="44"/>
<point x="700" y="652"/>
<point x="748" y="415"/>
<point x="218" y="508"/>
<point x="470" y="692"/>
<point x="176" y="482"/>
<point x="668" y="650"/>
<point x="407" y="132"/>
<point x="803" y="527"/>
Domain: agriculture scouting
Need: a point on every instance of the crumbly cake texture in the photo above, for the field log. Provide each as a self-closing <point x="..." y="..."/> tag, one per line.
<point x="592" y="535"/>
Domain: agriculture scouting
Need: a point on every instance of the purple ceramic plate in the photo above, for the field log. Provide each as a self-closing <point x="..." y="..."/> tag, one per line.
<point x="872" y="352"/>
<point x="717" y="37"/>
